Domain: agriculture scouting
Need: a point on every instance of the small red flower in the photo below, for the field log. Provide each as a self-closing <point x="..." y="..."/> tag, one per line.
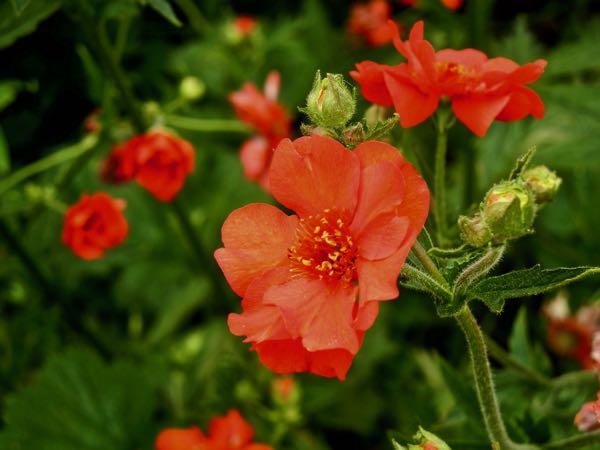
<point x="588" y="417"/>
<point x="269" y="118"/>
<point x="450" y="4"/>
<point x="369" y="21"/>
<point x="230" y="432"/>
<point x="94" y="224"/>
<point x="157" y="160"/>
<point x="311" y="282"/>
<point x="244" y="24"/>
<point x="481" y="90"/>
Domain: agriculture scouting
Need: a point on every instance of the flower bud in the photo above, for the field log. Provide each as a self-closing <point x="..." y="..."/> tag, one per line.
<point x="426" y="441"/>
<point x="354" y="135"/>
<point x="191" y="88"/>
<point x="543" y="182"/>
<point x="474" y="231"/>
<point x="330" y="104"/>
<point x="508" y="210"/>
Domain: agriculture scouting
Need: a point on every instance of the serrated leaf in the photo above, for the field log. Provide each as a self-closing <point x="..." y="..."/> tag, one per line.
<point x="78" y="402"/>
<point x="13" y="26"/>
<point x="163" y="7"/>
<point x="19" y="5"/>
<point x="463" y="392"/>
<point x="493" y="291"/>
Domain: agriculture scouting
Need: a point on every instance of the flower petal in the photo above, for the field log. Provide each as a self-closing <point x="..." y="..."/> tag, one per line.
<point x="523" y="101"/>
<point x="478" y="112"/>
<point x="412" y="105"/>
<point x="256" y="239"/>
<point x="180" y="439"/>
<point x="314" y="173"/>
<point x="318" y="313"/>
<point x="372" y="85"/>
<point x="467" y="57"/>
<point x="382" y="236"/>
<point x="230" y="431"/>
<point x="378" y="280"/>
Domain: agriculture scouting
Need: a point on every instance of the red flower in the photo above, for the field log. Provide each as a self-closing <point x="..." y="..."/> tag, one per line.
<point x="230" y="432"/>
<point x="94" y="224"/>
<point x="481" y="90"/>
<point x="157" y="160"/>
<point x="244" y="24"/>
<point x="268" y="118"/>
<point x="369" y="20"/>
<point x="588" y="417"/>
<point x="311" y="282"/>
<point x="450" y="4"/>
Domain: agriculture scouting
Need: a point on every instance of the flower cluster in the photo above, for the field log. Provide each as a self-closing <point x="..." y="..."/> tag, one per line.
<point x="368" y="21"/>
<point x="269" y="118"/>
<point x="480" y="90"/>
<point x="94" y="224"/>
<point x="311" y="282"/>
<point x="229" y="432"/>
<point x="157" y="160"/>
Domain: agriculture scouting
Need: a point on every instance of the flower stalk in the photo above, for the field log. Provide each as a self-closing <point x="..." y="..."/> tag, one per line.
<point x="206" y="125"/>
<point x="442" y="122"/>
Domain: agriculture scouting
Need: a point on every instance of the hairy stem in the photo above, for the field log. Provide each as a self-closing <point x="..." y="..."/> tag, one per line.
<point x="440" y="177"/>
<point x="484" y="383"/>
<point x="585" y="440"/>
<point x="428" y="263"/>
<point x="206" y="125"/>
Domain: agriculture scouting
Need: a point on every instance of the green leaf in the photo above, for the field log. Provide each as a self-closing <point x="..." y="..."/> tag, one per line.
<point x="163" y="7"/>
<point x="493" y="291"/>
<point x="13" y="26"/>
<point x="4" y="154"/>
<point x="19" y="5"/>
<point x="8" y="92"/>
<point x="80" y="403"/>
<point x="463" y="392"/>
<point x="521" y="347"/>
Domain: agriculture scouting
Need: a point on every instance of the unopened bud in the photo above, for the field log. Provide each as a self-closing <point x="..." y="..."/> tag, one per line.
<point x="191" y="88"/>
<point x="330" y="103"/>
<point x="543" y="182"/>
<point x="285" y="391"/>
<point x="474" y="231"/>
<point x="426" y="441"/>
<point x="508" y="210"/>
<point x="375" y="114"/>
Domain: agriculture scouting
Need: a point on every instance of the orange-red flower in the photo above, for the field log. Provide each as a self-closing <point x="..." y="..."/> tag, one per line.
<point x="481" y="90"/>
<point x="95" y="223"/>
<point x="588" y="417"/>
<point x="230" y="432"/>
<point x="157" y="160"/>
<point x="269" y="118"/>
<point x="244" y="24"/>
<point x="311" y="282"/>
<point x="450" y="4"/>
<point x="369" y="21"/>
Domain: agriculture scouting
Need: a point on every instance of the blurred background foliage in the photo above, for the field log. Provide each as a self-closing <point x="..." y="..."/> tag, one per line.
<point x="116" y="349"/>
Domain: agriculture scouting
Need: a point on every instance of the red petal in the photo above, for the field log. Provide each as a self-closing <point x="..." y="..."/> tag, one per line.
<point x="373" y="152"/>
<point x="255" y="155"/>
<point x="366" y="315"/>
<point x="523" y="101"/>
<point x="382" y="236"/>
<point x="314" y="173"/>
<point x="381" y="190"/>
<point x="180" y="439"/>
<point x="378" y="280"/>
<point x="370" y="77"/>
<point x="412" y="105"/>
<point x="289" y="356"/>
<point x="230" y="431"/>
<point x="478" y="112"/>
<point x="467" y="57"/>
<point x="272" y="85"/>
<point x="256" y="239"/>
<point x="320" y="314"/>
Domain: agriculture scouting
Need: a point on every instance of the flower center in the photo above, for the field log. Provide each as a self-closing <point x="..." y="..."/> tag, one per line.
<point x="450" y="74"/>
<point x="324" y="247"/>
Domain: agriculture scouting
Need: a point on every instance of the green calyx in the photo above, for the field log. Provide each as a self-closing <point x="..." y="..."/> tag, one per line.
<point x="543" y="182"/>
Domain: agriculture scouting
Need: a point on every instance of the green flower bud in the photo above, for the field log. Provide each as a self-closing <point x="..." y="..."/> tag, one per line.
<point x="425" y="441"/>
<point x="474" y="230"/>
<point x="543" y="182"/>
<point x="330" y="103"/>
<point x="191" y="88"/>
<point x="508" y="210"/>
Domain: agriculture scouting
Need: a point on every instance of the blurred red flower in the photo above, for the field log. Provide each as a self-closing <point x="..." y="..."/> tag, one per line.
<point x="244" y="24"/>
<point x="481" y="90"/>
<point x="588" y="417"/>
<point x="450" y="4"/>
<point x="311" y="282"/>
<point x="230" y="432"/>
<point x="157" y="160"/>
<point x="94" y="224"/>
<point x="269" y="118"/>
<point x="369" y="21"/>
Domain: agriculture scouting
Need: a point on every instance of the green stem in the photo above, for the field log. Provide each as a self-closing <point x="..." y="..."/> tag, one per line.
<point x="197" y="20"/>
<point x="428" y="263"/>
<point x="206" y="125"/>
<point x="56" y="158"/>
<point x="579" y="378"/>
<point x="505" y="358"/>
<point x="590" y="439"/>
<point x="440" y="175"/>
<point x="484" y="384"/>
